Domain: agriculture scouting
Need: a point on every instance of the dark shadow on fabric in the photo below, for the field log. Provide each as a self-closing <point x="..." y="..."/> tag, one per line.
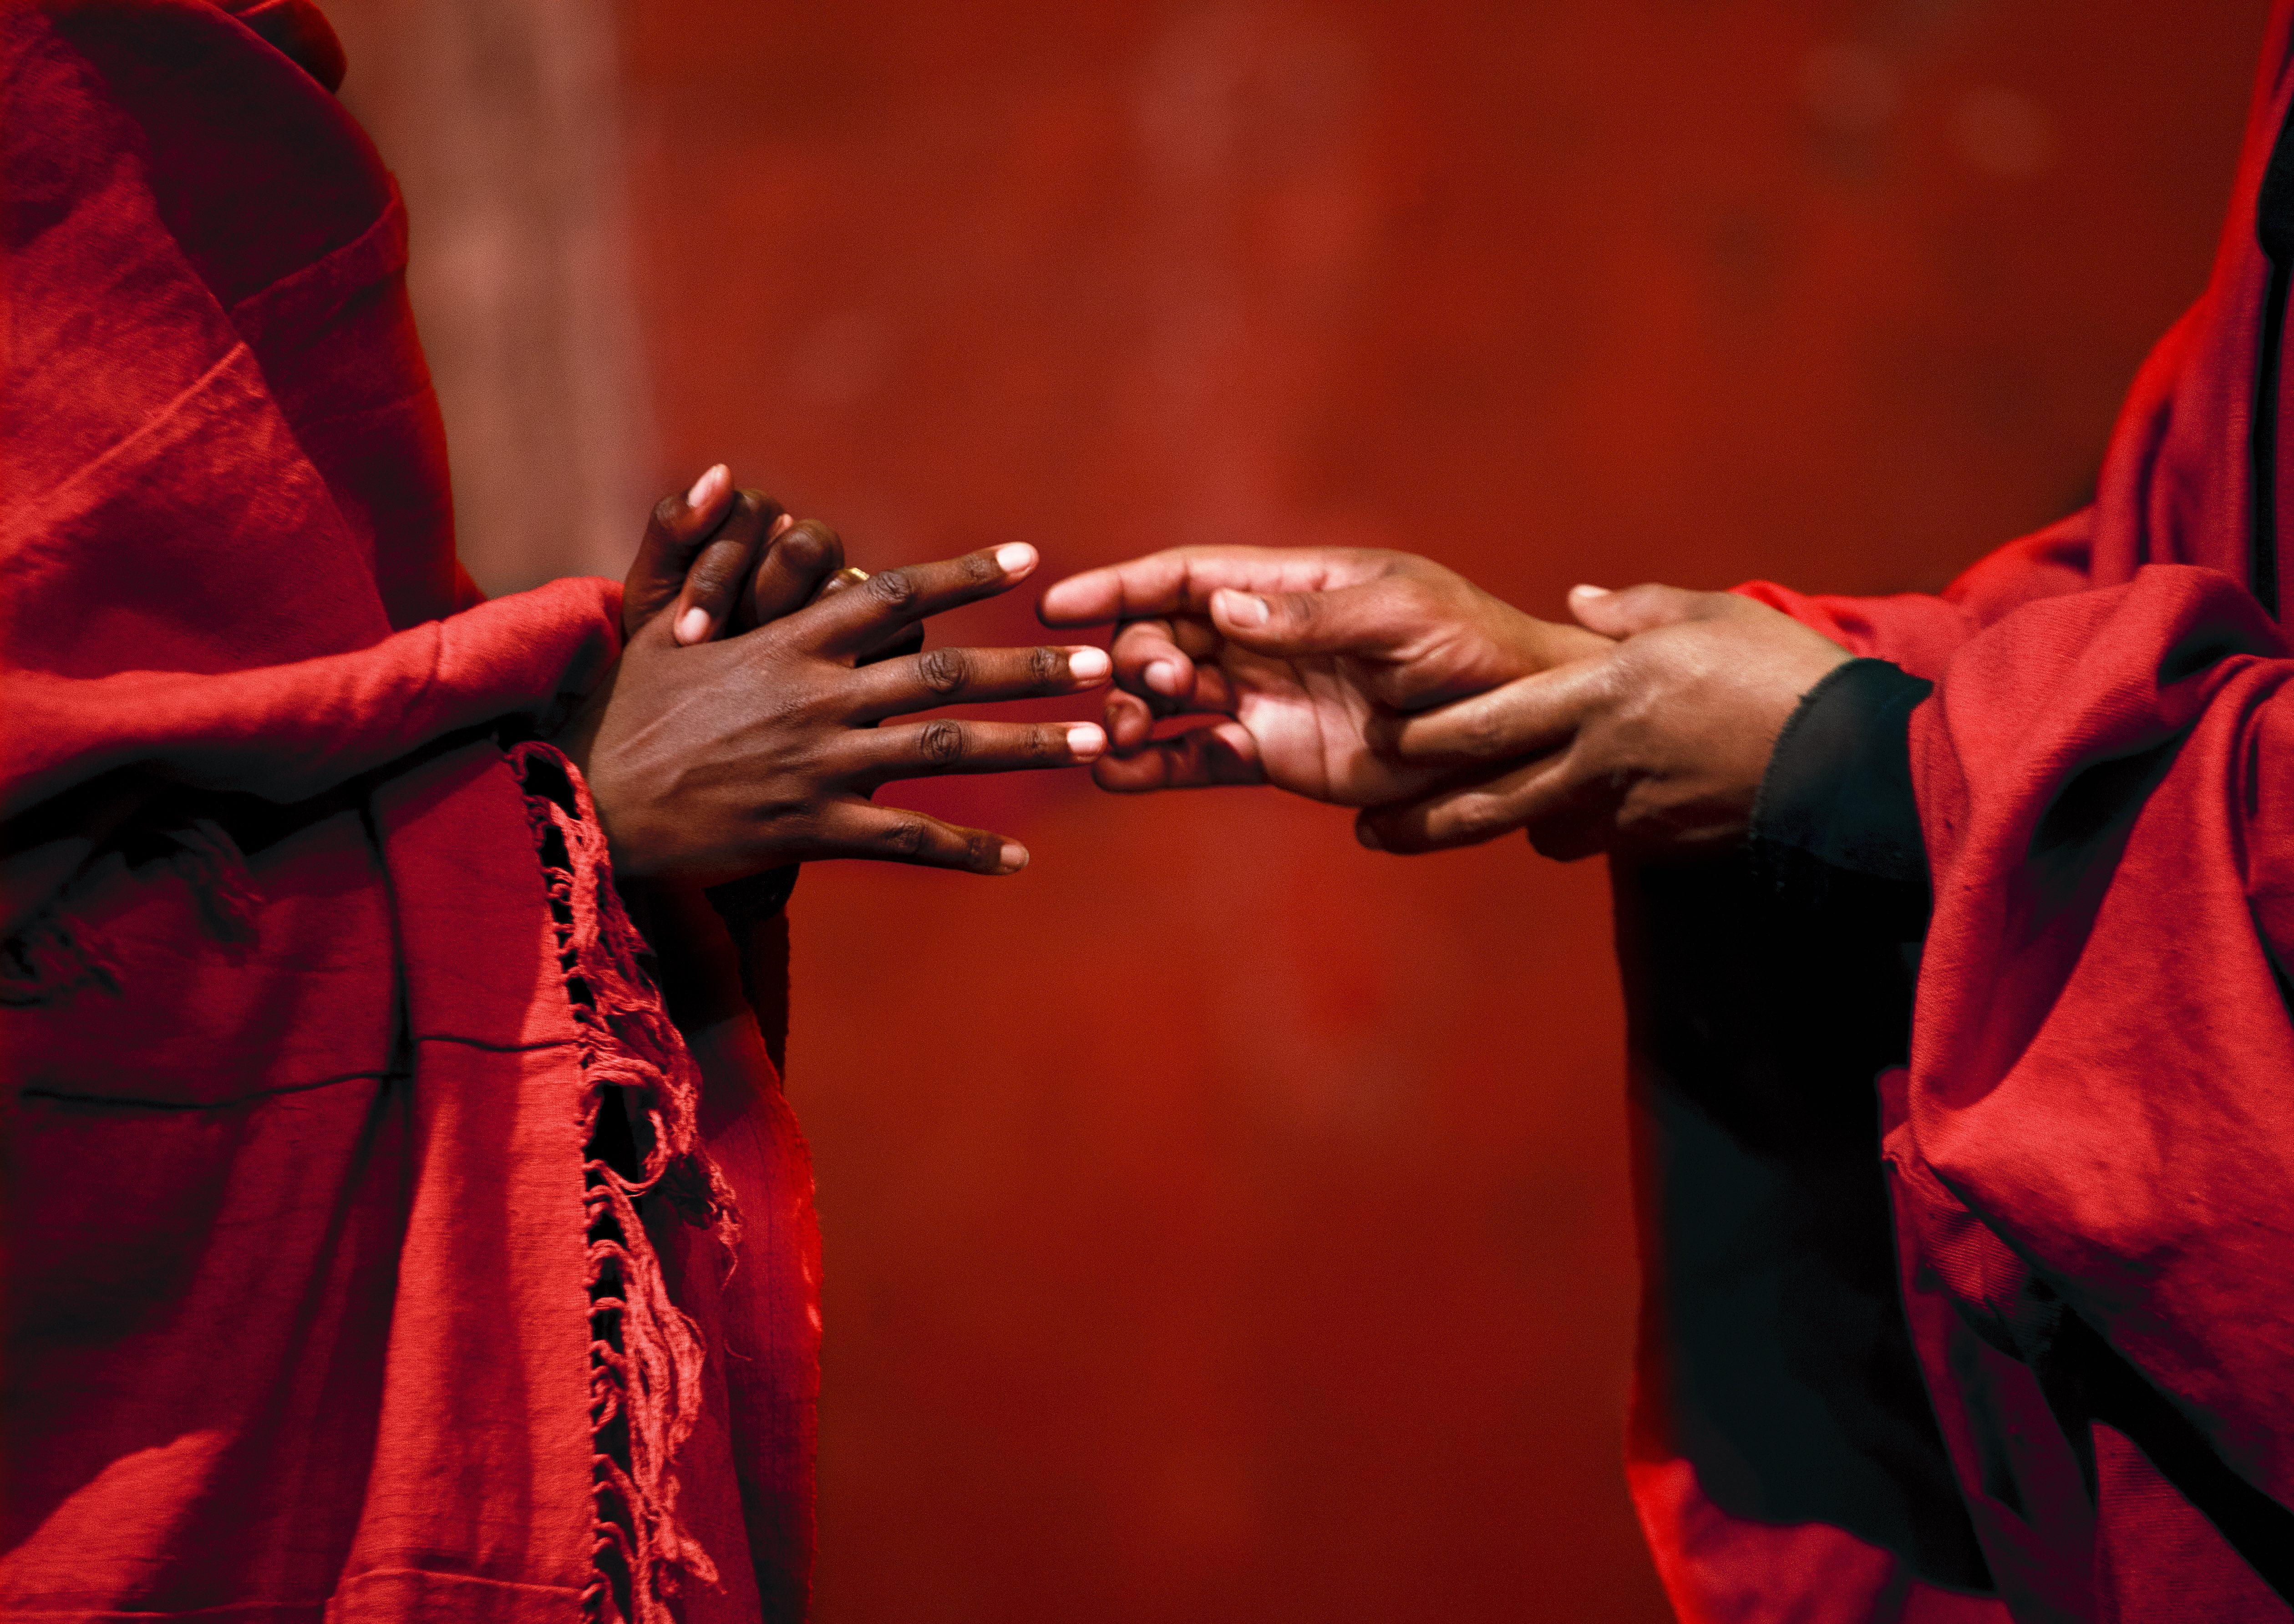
<point x="2077" y="842"/>
<point x="1769" y="1270"/>
<point x="2111" y="1390"/>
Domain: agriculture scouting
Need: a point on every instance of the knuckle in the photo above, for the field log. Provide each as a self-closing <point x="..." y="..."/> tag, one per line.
<point x="1046" y="665"/>
<point x="983" y="851"/>
<point x="1473" y="817"/>
<point x="1485" y="735"/>
<point x="893" y="588"/>
<point x="942" y="743"/>
<point x="943" y="670"/>
<point x="1047" y="743"/>
<point x="809" y="544"/>
<point x="714" y="573"/>
<point x="978" y="569"/>
<point x="904" y="837"/>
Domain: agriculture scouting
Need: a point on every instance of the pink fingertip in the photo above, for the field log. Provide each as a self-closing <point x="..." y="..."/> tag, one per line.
<point x="1088" y="664"/>
<point x="1016" y="557"/>
<point x="1163" y="677"/>
<point x="707" y="488"/>
<point x="1013" y="858"/>
<point x="1086" y="741"/>
<point x="693" y="627"/>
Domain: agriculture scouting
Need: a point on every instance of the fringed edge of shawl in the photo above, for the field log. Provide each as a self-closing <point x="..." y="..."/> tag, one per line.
<point x="645" y="1354"/>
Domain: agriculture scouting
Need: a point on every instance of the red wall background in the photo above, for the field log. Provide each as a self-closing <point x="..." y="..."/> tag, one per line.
<point x="1225" y="1222"/>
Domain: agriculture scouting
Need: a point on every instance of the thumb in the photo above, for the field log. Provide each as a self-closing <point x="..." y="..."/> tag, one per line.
<point x="1363" y="619"/>
<point x="1636" y="609"/>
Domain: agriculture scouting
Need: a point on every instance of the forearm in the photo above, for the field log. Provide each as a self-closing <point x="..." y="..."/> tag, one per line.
<point x="288" y="732"/>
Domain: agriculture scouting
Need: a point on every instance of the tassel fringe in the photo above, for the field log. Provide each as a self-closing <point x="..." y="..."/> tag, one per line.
<point x="645" y="1354"/>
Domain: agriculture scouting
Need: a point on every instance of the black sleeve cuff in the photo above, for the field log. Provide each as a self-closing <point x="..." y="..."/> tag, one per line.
<point x="1837" y="828"/>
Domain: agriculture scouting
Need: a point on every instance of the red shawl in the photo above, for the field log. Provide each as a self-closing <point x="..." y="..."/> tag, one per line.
<point x="2089" y="1160"/>
<point x="315" y="981"/>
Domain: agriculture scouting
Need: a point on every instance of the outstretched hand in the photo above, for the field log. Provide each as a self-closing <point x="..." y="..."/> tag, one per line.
<point x="714" y="757"/>
<point x="1654" y="745"/>
<point x="1296" y="651"/>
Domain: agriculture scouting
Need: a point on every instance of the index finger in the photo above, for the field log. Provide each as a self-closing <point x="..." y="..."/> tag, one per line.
<point x="1181" y="579"/>
<point x="1528" y="716"/>
<point x="860" y="617"/>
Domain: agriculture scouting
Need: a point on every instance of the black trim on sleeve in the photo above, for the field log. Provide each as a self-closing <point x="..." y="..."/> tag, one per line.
<point x="1837" y="828"/>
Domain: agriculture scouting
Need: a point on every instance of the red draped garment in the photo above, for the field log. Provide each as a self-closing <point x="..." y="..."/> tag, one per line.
<point x="2067" y="1389"/>
<point x="314" y="979"/>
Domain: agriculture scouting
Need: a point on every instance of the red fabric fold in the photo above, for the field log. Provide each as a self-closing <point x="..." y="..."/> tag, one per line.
<point x="301" y="1203"/>
<point x="2090" y="1156"/>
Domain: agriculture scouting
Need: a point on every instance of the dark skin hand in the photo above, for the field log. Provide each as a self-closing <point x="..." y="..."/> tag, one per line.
<point x="732" y="560"/>
<point x="1654" y="746"/>
<point x="1297" y="651"/>
<point x="712" y="758"/>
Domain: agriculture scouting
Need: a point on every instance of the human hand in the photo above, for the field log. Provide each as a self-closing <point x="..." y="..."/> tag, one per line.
<point x="718" y="760"/>
<point x="730" y="560"/>
<point x="1654" y="745"/>
<point x="1295" y="649"/>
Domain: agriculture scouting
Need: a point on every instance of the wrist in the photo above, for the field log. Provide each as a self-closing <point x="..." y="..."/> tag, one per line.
<point x="577" y="738"/>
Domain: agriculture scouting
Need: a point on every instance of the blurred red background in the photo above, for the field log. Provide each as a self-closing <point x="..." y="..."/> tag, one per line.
<point x="1225" y="1222"/>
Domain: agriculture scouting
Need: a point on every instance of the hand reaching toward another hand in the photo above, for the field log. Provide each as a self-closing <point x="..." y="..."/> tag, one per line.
<point x="1297" y="650"/>
<point x="1653" y="746"/>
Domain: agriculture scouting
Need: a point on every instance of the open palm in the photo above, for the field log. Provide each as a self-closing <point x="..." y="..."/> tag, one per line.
<point x="1295" y="652"/>
<point x="1298" y="722"/>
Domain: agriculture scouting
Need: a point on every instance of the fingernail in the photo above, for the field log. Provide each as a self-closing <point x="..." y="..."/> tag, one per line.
<point x="1243" y="608"/>
<point x="1014" y="556"/>
<point x="1163" y="677"/>
<point x="1086" y="741"/>
<point x="708" y="488"/>
<point x="1368" y="836"/>
<point x="1088" y="664"/>
<point x="1589" y="591"/>
<point x="1013" y="859"/>
<point x="783" y="523"/>
<point x="693" y="626"/>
